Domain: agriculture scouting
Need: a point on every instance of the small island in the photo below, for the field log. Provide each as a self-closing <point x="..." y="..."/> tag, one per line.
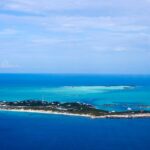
<point x="68" y="108"/>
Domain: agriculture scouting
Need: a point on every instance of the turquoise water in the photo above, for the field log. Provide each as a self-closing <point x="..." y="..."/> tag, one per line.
<point x="118" y="92"/>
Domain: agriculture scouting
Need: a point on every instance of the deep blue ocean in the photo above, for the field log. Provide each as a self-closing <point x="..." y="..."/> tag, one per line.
<point x="29" y="131"/>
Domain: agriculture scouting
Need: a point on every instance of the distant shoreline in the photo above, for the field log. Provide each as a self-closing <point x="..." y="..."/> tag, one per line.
<point x="68" y="108"/>
<point x="121" y="116"/>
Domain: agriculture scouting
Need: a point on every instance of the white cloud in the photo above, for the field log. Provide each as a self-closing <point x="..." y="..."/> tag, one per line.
<point x="46" y="41"/>
<point x="80" y="23"/>
<point x="55" y="28"/>
<point x="36" y="6"/>
<point x="120" y="49"/>
<point x="76" y="24"/>
<point x="46" y="5"/>
<point x="5" y="64"/>
<point x="8" y="31"/>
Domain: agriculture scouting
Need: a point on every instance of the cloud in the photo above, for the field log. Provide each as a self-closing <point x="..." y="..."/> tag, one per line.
<point x="76" y="24"/>
<point x="123" y="16"/>
<point x="8" y="31"/>
<point x="36" y="7"/>
<point x="80" y="23"/>
<point x="120" y="49"/>
<point x="5" y="64"/>
<point x="46" y="5"/>
<point x="46" y="41"/>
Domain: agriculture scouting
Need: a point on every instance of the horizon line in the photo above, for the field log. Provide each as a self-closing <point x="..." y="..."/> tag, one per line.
<point x="46" y="73"/>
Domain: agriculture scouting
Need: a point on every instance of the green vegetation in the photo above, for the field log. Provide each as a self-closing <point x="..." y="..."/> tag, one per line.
<point x="69" y="107"/>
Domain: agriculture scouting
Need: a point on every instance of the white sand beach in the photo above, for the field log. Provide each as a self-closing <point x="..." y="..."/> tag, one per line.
<point x="139" y="115"/>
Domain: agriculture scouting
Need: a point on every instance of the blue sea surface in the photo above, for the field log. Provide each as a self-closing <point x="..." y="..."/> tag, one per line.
<point x="33" y="131"/>
<point x="109" y="92"/>
<point x="26" y="131"/>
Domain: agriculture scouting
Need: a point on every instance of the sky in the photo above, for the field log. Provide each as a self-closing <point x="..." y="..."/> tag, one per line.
<point x="75" y="36"/>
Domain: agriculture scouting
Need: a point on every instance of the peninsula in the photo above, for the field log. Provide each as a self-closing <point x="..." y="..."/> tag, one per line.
<point x="68" y="108"/>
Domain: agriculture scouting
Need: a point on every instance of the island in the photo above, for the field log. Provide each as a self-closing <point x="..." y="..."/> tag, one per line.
<point x="68" y="108"/>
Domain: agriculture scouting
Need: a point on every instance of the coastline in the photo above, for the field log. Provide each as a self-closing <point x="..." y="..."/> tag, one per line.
<point x="118" y="116"/>
<point x="47" y="112"/>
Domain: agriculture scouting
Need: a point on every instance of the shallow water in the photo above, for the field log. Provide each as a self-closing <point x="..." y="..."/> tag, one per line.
<point x="121" y="91"/>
